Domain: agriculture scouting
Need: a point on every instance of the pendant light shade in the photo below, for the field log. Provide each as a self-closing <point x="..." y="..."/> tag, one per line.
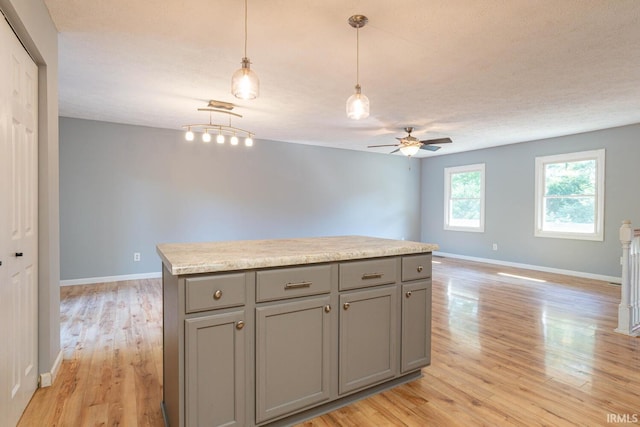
<point x="244" y="82"/>
<point x="358" y="104"/>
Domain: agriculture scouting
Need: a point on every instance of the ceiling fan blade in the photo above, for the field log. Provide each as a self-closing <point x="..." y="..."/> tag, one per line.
<point x="395" y="151"/>
<point x="430" y="147"/>
<point x="384" y="145"/>
<point x="437" y="141"/>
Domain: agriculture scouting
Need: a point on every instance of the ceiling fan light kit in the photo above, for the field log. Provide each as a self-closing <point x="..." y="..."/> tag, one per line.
<point x="410" y="149"/>
<point x="244" y="82"/>
<point x="358" y="103"/>
<point x="410" y="145"/>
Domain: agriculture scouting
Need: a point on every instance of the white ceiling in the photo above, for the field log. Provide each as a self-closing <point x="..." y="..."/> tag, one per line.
<point x="483" y="72"/>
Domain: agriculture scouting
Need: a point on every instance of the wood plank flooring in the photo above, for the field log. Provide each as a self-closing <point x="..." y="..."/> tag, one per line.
<point x="111" y="374"/>
<point x="505" y="351"/>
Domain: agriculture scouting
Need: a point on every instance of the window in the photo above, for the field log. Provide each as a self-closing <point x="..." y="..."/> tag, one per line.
<point x="570" y="195"/>
<point x="464" y="198"/>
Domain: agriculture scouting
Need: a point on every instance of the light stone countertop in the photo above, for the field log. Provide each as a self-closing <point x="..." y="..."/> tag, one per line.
<point x="209" y="257"/>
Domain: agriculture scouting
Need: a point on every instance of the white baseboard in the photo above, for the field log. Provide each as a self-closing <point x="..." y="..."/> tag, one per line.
<point x="108" y="279"/>
<point x="47" y="378"/>
<point x="157" y="275"/>
<point x="610" y="279"/>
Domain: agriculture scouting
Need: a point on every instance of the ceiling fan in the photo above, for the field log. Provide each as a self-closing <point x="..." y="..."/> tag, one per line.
<point x="410" y="145"/>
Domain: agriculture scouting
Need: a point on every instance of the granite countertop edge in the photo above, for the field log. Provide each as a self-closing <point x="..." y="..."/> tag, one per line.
<point x="213" y="257"/>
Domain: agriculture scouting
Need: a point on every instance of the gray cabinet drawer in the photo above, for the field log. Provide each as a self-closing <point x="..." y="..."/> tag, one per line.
<point x="211" y="292"/>
<point x="416" y="267"/>
<point x="362" y="274"/>
<point x="293" y="282"/>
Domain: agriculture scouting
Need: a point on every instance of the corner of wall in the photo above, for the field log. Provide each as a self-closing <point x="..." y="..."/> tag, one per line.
<point x="46" y="379"/>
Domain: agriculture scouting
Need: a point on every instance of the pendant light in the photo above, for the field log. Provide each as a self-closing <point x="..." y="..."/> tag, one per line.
<point x="358" y="104"/>
<point x="245" y="83"/>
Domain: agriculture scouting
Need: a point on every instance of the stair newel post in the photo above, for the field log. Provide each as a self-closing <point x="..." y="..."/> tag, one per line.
<point x="624" y="309"/>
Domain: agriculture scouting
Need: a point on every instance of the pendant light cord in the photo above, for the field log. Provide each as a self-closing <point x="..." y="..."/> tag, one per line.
<point x="357" y="56"/>
<point x="245" y="28"/>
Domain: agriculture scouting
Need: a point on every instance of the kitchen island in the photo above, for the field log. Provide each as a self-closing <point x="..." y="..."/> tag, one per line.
<point x="271" y="332"/>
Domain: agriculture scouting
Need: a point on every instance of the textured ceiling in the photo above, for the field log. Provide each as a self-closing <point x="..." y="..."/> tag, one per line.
<point x="483" y="72"/>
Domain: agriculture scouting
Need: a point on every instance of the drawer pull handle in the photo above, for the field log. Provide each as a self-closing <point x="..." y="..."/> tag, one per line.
<point x="240" y="325"/>
<point x="297" y="285"/>
<point x="327" y="309"/>
<point x="217" y="294"/>
<point x="346" y="305"/>
<point x="367" y="276"/>
<point x="419" y="269"/>
<point x="408" y="294"/>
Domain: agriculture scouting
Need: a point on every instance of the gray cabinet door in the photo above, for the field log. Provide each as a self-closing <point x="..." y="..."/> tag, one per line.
<point x="416" y="326"/>
<point x="215" y="370"/>
<point x="368" y="349"/>
<point x="293" y="347"/>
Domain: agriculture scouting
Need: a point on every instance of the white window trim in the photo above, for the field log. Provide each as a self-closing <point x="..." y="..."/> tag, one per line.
<point x="447" y="195"/>
<point x="599" y="157"/>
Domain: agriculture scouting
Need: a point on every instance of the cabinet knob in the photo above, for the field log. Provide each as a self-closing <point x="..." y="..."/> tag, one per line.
<point x="419" y="269"/>
<point x="217" y="294"/>
<point x="408" y="294"/>
<point x="19" y="254"/>
<point x="240" y="325"/>
<point x="327" y="309"/>
<point x="346" y="305"/>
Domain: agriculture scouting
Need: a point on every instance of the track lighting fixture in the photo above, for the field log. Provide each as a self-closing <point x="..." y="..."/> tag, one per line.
<point x="219" y="129"/>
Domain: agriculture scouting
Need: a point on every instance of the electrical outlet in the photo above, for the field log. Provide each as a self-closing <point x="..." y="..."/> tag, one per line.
<point x="495" y="246"/>
<point x="136" y="256"/>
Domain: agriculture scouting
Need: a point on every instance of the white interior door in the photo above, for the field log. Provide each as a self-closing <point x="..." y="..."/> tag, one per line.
<point x="18" y="227"/>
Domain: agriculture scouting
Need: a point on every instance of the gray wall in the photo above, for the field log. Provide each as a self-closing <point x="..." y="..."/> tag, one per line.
<point x="124" y="189"/>
<point x="509" y="208"/>
<point x="31" y="21"/>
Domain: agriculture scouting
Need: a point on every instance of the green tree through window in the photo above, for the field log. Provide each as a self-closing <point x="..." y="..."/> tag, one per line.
<point x="464" y="198"/>
<point x="570" y="195"/>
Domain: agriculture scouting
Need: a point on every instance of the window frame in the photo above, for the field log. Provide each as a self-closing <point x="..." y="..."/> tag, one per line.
<point x="448" y="172"/>
<point x="540" y="163"/>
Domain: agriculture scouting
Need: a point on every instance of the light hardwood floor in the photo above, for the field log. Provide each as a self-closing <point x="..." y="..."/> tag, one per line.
<point x="505" y="351"/>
